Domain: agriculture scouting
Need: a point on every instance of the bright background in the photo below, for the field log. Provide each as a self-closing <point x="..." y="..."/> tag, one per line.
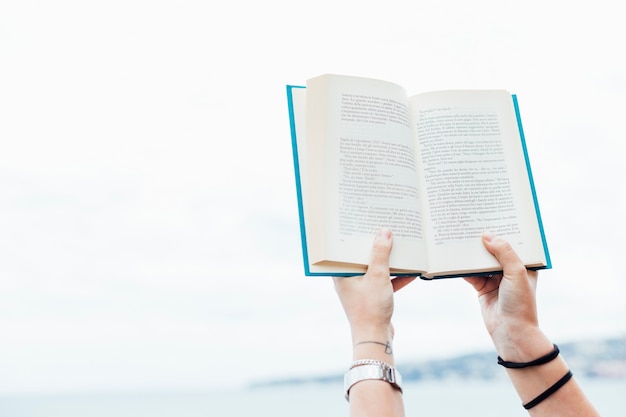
<point x="148" y="225"/>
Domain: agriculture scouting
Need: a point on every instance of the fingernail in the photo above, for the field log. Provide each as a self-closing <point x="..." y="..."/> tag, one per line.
<point x="384" y="234"/>
<point x="488" y="236"/>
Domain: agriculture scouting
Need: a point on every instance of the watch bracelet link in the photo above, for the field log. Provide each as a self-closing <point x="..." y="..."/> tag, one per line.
<point x="362" y="362"/>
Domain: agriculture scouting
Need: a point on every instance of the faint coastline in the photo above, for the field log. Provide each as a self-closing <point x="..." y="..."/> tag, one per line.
<point x="593" y="359"/>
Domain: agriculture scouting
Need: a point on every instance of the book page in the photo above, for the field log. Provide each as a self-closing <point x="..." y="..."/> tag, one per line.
<point x="475" y="178"/>
<point x="362" y="161"/>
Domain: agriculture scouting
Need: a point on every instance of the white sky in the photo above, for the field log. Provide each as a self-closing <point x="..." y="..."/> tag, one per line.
<point x="148" y="222"/>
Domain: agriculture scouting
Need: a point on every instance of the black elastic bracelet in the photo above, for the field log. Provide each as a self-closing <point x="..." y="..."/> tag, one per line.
<point x="549" y="391"/>
<point x="544" y="359"/>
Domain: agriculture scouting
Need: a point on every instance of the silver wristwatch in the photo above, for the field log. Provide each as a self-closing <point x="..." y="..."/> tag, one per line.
<point x="375" y="371"/>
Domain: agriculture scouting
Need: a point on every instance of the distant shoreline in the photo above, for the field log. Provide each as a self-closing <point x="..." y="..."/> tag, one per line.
<point x="592" y="359"/>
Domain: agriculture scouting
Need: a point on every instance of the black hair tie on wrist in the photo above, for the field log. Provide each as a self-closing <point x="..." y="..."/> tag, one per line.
<point x="554" y="388"/>
<point x="540" y="361"/>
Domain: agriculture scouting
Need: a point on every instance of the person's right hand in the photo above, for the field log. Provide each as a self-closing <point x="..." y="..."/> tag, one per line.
<point x="509" y="309"/>
<point x="508" y="304"/>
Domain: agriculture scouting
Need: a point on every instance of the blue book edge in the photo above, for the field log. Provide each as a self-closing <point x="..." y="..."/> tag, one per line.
<point x="296" y="168"/>
<point x="532" y="185"/>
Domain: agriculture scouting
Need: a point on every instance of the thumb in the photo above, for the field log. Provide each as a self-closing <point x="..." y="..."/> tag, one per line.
<point x="379" y="262"/>
<point x="511" y="264"/>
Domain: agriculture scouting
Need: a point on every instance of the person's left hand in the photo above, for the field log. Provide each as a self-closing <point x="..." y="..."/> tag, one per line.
<point x="368" y="299"/>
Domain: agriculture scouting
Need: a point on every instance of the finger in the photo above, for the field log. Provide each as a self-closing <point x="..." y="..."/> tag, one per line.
<point x="345" y="280"/>
<point x="340" y="284"/>
<point x="400" y="282"/>
<point x="485" y="284"/>
<point x="379" y="262"/>
<point x="477" y="282"/>
<point x="336" y="281"/>
<point x="532" y="278"/>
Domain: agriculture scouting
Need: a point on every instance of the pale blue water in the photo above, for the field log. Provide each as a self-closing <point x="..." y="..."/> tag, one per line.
<point x="459" y="398"/>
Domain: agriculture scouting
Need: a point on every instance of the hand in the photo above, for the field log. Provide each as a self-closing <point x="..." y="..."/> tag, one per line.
<point x="509" y="309"/>
<point x="508" y="304"/>
<point x="368" y="299"/>
<point x="368" y="303"/>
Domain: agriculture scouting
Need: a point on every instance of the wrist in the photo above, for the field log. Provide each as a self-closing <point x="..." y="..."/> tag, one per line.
<point x="382" y="333"/>
<point x="522" y="344"/>
<point x="373" y="344"/>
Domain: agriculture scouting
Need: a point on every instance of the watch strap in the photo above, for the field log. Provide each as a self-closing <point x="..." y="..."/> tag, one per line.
<point x="372" y="371"/>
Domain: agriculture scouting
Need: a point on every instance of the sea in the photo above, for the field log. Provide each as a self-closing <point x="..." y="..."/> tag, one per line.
<point x="449" y="398"/>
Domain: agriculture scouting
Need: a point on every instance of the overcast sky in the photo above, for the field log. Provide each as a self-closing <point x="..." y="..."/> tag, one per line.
<point x="148" y="222"/>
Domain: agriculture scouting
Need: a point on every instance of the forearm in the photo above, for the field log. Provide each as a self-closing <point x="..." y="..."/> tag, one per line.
<point x="530" y="382"/>
<point x="376" y="399"/>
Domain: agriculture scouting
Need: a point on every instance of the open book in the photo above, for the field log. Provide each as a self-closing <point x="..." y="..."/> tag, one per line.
<point x="437" y="169"/>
